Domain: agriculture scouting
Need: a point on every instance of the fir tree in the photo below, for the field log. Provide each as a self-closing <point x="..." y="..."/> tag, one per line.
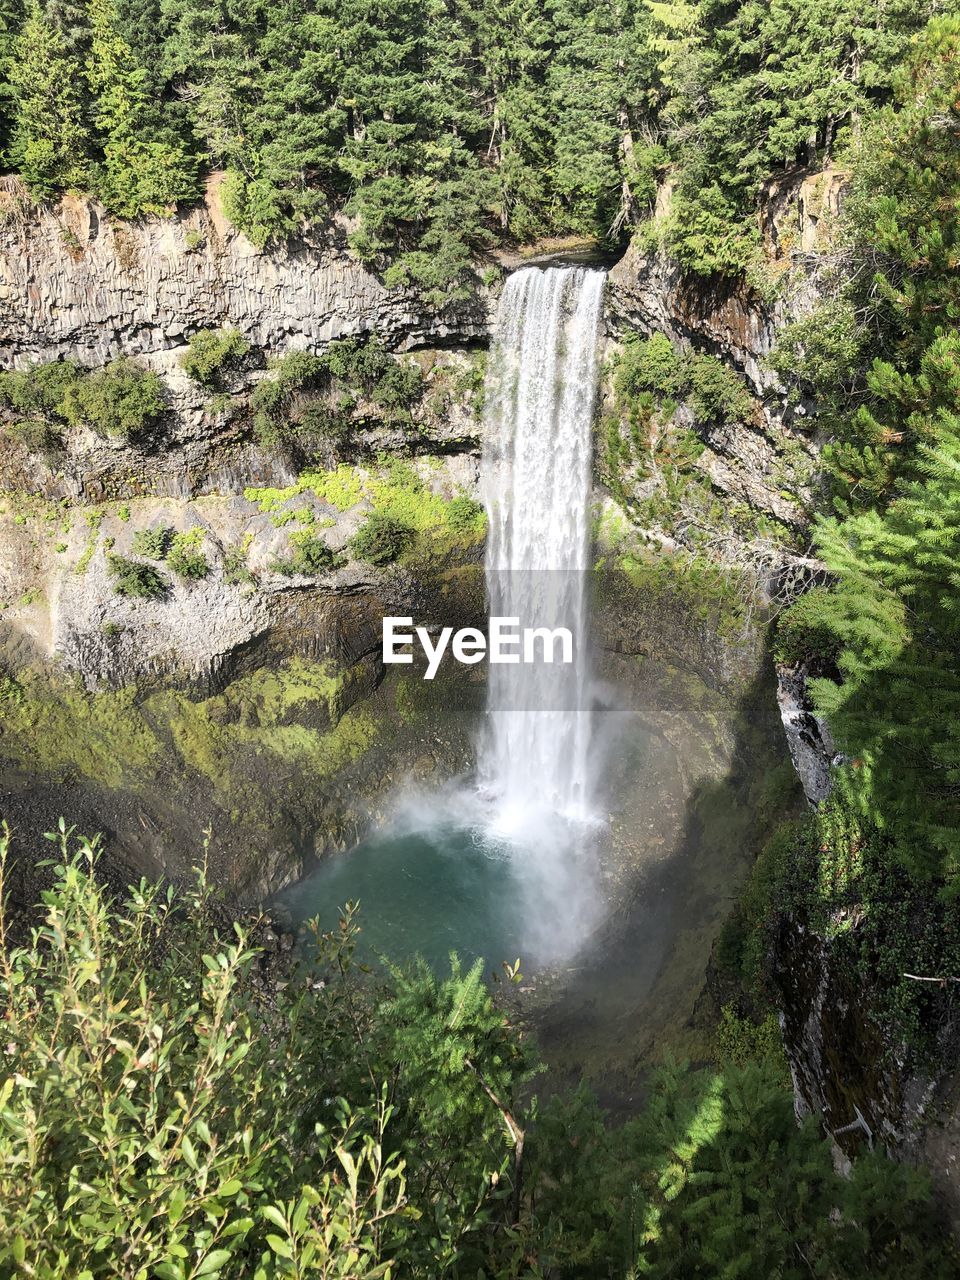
<point x="50" y="140"/>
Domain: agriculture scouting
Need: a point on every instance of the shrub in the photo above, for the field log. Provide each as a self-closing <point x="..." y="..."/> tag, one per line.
<point x="185" y="558"/>
<point x="650" y="364"/>
<point x="717" y="394"/>
<point x="211" y="353"/>
<point x="464" y="515"/>
<point x="152" y="543"/>
<point x="270" y="401"/>
<point x="121" y="399"/>
<point x="155" y="1121"/>
<point x="135" y="580"/>
<point x="35" y="434"/>
<point x="381" y="539"/>
<point x="235" y="570"/>
<point x="39" y="389"/>
<point x="369" y="368"/>
<point x="309" y="555"/>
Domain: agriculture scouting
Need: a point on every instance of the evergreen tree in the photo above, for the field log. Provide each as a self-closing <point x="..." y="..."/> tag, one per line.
<point x="140" y="172"/>
<point x="50" y="140"/>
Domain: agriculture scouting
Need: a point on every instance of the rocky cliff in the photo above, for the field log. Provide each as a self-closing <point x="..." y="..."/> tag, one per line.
<point x="76" y="284"/>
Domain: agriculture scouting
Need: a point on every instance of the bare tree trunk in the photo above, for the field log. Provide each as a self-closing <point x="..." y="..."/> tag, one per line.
<point x="516" y="1133"/>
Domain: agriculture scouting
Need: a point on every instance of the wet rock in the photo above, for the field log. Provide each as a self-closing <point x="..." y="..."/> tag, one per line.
<point x="811" y="744"/>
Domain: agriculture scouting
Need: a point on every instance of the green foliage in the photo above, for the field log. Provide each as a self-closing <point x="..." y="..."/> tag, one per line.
<point x="381" y="539"/>
<point x="49" y="143"/>
<point x="121" y="399"/>
<point x="464" y="514"/>
<point x="176" y="1137"/>
<point x="40" y="389"/>
<point x="142" y="166"/>
<point x="318" y="393"/>
<point x="235" y="570"/>
<point x="650" y="364"/>
<point x="309" y="555"/>
<point x="437" y="129"/>
<point x="211" y="353"/>
<point x="716" y="393"/>
<point x="153" y="544"/>
<point x="185" y="557"/>
<point x="654" y="365"/>
<point x="135" y="580"/>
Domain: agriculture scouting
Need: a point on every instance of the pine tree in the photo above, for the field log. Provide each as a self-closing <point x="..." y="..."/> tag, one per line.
<point x="50" y="140"/>
<point x="141" y="172"/>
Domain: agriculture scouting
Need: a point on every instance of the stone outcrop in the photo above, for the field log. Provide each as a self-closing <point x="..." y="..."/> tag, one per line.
<point x="649" y="292"/>
<point x="76" y="282"/>
<point x="767" y="463"/>
<point x="811" y="744"/>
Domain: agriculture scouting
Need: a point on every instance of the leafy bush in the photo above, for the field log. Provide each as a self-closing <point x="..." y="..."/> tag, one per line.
<point x="650" y="364"/>
<point x="135" y="580"/>
<point x="121" y="399"/>
<point x="381" y="539"/>
<point x="309" y="555"/>
<point x="35" y="434"/>
<point x="360" y="368"/>
<point x="153" y="544"/>
<point x="154" y="1121"/>
<point x="270" y="401"/>
<point x="367" y="366"/>
<point x="655" y="366"/>
<point x="235" y="570"/>
<point x="716" y="393"/>
<point x="39" y="390"/>
<point x="211" y="353"/>
<point x="185" y="558"/>
<point x="464" y="515"/>
<point x="175" y="1137"/>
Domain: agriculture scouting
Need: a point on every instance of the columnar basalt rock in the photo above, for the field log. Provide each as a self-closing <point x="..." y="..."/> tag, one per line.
<point x="75" y="282"/>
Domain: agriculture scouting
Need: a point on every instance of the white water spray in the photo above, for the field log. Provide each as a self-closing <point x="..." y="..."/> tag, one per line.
<point x="540" y="393"/>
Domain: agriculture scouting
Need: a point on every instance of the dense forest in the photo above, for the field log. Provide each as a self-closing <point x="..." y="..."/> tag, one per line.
<point x="368" y="1125"/>
<point x="441" y="127"/>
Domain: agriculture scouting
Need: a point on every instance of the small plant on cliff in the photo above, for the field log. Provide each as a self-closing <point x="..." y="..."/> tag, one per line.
<point x="716" y="393"/>
<point x="297" y="371"/>
<point x="309" y="555"/>
<point x="464" y="515"/>
<point x="649" y="364"/>
<point x="185" y="558"/>
<point x="136" y="580"/>
<point x="121" y="399"/>
<point x="211" y="353"/>
<point x="152" y="544"/>
<point x="369" y="368"/>
<point x="380" y="539"/>
<point x="235" y="570"/>
<point x="35" y="434"/>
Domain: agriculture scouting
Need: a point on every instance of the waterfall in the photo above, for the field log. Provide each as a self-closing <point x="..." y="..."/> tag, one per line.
<point x="540" y="394"/>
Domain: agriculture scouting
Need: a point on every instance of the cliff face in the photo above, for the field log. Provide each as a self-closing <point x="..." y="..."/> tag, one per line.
<point x="75" y="282"/>
<point x="769" y="462"/>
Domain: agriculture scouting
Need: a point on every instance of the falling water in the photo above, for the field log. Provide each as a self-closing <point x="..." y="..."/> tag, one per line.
<point x="540" y="393"/>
